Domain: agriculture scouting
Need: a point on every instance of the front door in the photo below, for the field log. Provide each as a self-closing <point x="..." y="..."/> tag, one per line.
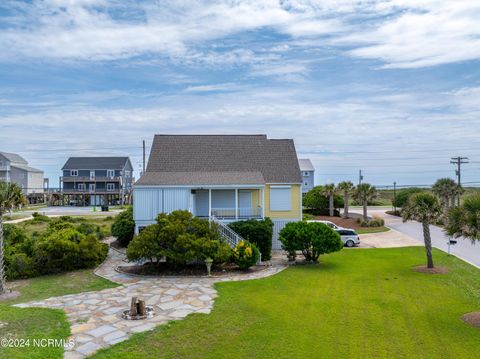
<point x="91" y="187"/>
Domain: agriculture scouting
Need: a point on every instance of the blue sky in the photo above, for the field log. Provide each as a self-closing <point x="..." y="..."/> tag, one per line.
<point x="391" y="87"/>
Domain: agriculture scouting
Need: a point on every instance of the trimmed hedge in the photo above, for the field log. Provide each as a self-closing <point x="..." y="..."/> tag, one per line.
<point x="257" y="232"/>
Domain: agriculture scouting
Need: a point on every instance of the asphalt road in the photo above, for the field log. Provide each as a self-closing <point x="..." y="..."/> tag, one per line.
<point x="464" y="249"/>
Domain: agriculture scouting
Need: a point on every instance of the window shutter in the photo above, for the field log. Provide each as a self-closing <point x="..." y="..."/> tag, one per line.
<point x="280" y="198"/>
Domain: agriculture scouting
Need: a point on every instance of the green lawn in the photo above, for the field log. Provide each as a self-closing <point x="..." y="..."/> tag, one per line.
<point x="365" y="230"/>
<point x="360" y="303"/>
<point x="30" y="323"/>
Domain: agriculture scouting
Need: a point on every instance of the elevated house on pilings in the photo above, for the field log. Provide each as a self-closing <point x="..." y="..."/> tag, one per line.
<point x="96" y="181"/>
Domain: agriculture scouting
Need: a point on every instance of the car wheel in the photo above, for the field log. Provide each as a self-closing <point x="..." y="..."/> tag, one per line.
<point x="350" y="243"/>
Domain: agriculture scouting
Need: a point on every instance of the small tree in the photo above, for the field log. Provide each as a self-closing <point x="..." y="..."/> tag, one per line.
<point x="316" y="201"/>
<point x="403" y="195"/>
<point x="312" y="238"/>
<point x="346" y="187"/>
<point x="424" y="208"/>
<point x="11" y="197"/>
<point x="124" y="226"/>
<point x="363" y="194"/>
<point x="464" y="221"/>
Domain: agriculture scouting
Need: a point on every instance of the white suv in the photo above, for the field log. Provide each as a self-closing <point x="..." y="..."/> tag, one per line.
<point x="349" y="236"/>
<point x="328" y="223"/>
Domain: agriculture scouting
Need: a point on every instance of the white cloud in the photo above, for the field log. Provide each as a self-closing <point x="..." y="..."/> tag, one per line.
<point x="401" y="33"/>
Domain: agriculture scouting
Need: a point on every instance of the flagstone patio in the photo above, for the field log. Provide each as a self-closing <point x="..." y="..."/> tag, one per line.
<point x="95" y="317"/>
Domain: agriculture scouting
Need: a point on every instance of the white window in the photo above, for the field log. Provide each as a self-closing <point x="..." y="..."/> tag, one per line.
<point x="91" y="187"/>
<point x="280" y="198"/>
<point x="74" y="173"/>
<point x="110" y="186"/>
<point x="81" y="186"/>
<point x="127" y="173"/>
<point x="306" y="174"/>
<point x="110" y="173"/>
<point x="306" y="184"/>
<point x="92" y="174"/>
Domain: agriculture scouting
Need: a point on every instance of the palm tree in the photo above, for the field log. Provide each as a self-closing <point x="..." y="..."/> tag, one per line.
<point x="445" y="189"/>
<point x="346" y="187"/>
<point x="424" y="208"/>
<point x="464" y="221"/>
<point x="10" y="197"/>
<point x="363" y="194"/>
<point x="328" y="191"/>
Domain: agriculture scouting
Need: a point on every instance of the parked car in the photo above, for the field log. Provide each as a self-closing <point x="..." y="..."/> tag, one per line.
<point x="328" y="223"/>
<point x="349" y="237"/>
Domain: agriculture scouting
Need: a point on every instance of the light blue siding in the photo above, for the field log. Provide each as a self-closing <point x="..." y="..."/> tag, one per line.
<point x="175" y="199"/>
<point x="308" y="178"/>
<point x="149" y="202"/>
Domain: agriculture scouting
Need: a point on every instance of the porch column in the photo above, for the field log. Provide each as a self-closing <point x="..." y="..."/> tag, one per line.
<point x="262" y="192"/>
<point x="209" y="203"/>
<point x="236" y="203"/>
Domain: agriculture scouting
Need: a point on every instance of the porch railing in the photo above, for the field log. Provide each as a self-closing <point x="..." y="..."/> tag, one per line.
<point x="230" y="236"/>
<point x="241" y="213"/>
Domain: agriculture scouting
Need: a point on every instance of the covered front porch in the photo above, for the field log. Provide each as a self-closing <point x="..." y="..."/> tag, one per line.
<point x="228" y="203"/>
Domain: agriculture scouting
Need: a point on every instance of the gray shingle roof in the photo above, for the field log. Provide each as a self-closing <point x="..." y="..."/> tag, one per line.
<point x="305" y="164"/>
<point x="25" y="168"/>
<point x="201" y="178"/>
<point x="95" y="163"/>
<point x="275" y="159"/>
<point x="13" y="157"/>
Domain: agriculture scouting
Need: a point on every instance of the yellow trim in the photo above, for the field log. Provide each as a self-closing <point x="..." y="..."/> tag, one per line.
<point x="255" y="198"/>
<point x="295" y="201"/>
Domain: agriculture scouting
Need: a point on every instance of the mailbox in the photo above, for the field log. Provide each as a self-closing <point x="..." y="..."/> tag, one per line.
<point x="452" y="241"/>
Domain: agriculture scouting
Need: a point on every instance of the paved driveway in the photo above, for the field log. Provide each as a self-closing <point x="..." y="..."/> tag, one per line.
<point x="464" y="249"/>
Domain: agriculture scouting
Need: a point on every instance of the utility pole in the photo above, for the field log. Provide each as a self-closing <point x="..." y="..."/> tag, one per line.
<point x="459" y="161"/>
<point x="395" y="197"/>
<point x="360" y="177"/>
<point x="143" y="168"/>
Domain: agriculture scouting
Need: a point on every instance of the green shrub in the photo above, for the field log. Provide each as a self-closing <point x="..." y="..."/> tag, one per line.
<point x="317" y="202"/>
<point x="179" y="237"/>
<point x="124" y="227"/>
<point x="92" y="252"/>
<point x="66" y="250"/>
<point x="245" y="255"/>
<point x="89" y="228"/>
<point x="375" y="222"/>
<point x="37" y="217"/>
<point x="58" y="224"/>
<point x="403" y="195"/>
<point x="58" y="252"/>
<point x="257" y="232"/>
<point x="312" y="238"/>
<point x="19" y="266"/>
<point x="13" y="234"/>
